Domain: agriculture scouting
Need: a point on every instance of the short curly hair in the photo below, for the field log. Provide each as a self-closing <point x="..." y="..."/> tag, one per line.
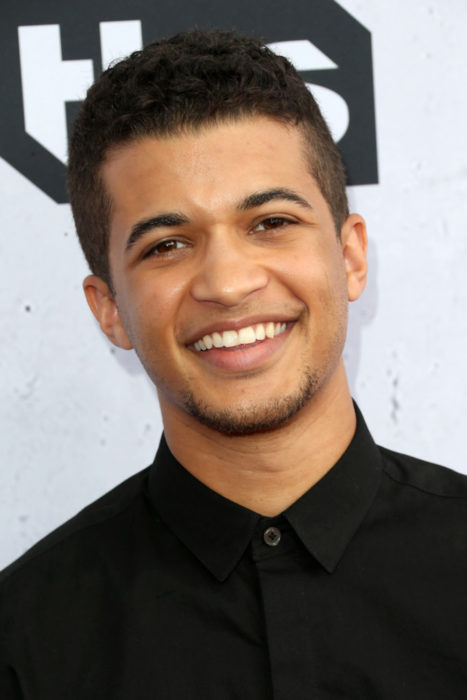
<point x="180" y="84"/>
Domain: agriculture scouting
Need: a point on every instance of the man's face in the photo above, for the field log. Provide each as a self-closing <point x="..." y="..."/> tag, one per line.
<point x="230" y="281"/>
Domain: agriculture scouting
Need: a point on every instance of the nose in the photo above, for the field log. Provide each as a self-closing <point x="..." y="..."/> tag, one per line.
<point x="229" y="272"/>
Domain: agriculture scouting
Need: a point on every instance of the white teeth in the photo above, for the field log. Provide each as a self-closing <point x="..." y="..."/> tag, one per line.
<point x="244" y="336"/>
<point x="207" y="340"/>
<point x="270" y="330"/>
<point x="217" y="340"/>
<point x="230" y="338"/>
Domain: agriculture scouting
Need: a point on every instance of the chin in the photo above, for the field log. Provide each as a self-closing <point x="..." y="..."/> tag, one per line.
<point x="256" y="417"/>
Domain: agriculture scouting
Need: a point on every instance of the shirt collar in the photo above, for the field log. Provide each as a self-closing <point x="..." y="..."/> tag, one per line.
<point x="327" y="516"/>
<point x="218" y="531"/>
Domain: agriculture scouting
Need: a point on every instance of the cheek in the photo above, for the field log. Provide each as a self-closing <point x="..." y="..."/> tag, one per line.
<point x="153" y="304"/>
<point x="316" y="278"/>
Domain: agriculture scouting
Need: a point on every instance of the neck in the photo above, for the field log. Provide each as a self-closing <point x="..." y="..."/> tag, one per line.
<point x="267" y="472"/>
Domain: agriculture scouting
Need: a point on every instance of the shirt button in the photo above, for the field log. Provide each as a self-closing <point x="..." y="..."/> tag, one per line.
<point x="272" y="536"/>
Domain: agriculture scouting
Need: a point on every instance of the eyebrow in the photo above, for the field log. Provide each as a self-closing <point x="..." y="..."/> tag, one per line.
<point x="172" y="219"/>
<point x="161" y="221"/>
<point x="258" y="198"/>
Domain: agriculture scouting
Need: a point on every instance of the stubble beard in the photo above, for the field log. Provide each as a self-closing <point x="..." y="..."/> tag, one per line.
<point x="254" y="418"/>
<point x="262" y="416"/>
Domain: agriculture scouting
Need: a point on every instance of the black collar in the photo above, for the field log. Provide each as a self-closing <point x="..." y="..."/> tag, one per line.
<point x="218" y="531"/>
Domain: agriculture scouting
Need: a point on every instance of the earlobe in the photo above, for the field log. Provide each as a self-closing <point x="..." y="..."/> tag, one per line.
<point x="354" y="246"/>
<point x="102" y="304"/>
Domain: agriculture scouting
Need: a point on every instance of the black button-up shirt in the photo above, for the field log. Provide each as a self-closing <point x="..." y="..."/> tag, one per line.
<point x="165" y="590"/>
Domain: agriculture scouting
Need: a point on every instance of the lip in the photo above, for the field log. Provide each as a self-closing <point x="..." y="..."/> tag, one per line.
<point x="244" y="359"/>
<point x="236" y="324"/>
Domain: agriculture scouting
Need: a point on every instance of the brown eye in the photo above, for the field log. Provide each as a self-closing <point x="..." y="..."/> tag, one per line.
<point x="164" y="247"/>
<point x="271" y="222"/>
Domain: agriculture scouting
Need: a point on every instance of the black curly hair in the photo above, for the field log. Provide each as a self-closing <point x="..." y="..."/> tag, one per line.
<point x="180" y="84"/>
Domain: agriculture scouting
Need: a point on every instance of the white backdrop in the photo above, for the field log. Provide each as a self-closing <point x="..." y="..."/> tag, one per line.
<point x="78" y="416"/>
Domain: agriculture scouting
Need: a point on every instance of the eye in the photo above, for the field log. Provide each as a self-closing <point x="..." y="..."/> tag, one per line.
<point x="164" y="247"/>
<point x="272" y="222"/>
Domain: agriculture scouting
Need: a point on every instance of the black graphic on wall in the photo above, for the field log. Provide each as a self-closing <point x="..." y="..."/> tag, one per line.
<point x="71" y="34"/>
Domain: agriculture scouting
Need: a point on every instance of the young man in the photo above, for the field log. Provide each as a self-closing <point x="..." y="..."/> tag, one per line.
<point x="272" y="550"/>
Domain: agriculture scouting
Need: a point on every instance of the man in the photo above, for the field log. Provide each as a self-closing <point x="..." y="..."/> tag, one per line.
<point x="272" y="550"/>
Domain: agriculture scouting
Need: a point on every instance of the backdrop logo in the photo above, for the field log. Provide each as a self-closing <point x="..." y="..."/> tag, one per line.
<point x="53" y="52"/>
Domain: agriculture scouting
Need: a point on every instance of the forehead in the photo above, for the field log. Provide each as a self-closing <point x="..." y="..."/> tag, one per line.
<point x="247" y="146"/>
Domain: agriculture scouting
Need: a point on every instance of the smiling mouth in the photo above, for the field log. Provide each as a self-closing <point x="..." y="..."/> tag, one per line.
<point x="244" y="336"/>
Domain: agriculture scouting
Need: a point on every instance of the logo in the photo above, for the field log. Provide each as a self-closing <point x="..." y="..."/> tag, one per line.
<point x="53" y="51"/>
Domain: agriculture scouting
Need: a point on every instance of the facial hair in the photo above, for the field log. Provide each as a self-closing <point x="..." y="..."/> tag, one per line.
<point x="255" y="418"/>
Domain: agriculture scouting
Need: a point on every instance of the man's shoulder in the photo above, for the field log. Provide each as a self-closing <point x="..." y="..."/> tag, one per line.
<point x="426" y="477"/>
<point x="83" y="526"/>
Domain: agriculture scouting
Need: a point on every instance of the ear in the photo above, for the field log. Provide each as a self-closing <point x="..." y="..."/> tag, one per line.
<point x="354" y="246"/>
<point x="102" y="304"/>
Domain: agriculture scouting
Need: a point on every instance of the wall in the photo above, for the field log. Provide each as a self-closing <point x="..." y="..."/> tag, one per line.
<point x="78" y="416"/>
